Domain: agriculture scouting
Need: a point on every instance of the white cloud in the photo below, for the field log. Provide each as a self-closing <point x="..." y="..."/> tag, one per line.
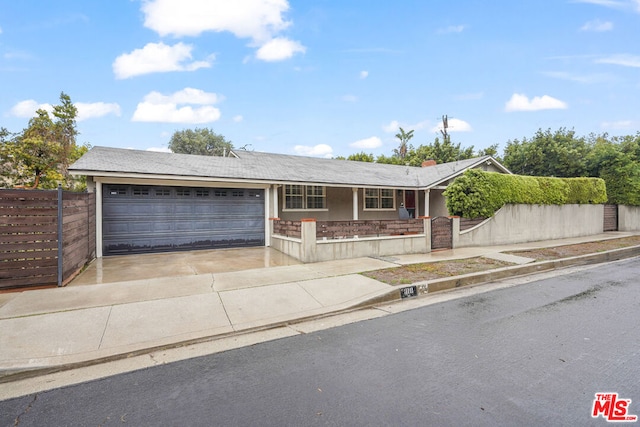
<point x="96" y="109"/>
<point x="320" y="150"/>
<point x="454" y="125"/>
<point x="597" y="26"/>
<point x="391" y="127"/>
<point x="157" y="58"/>
<point x="258" y="20"/>
<point x="27" y="108"/>
<point x="451" y="29"/>
<point x="157" y="107"/>
<point x="238" y="118"/>
<point x="520" y="102"/>
<point x="279" y="49"/>
<point x="350" y="98"/>
<point x="367" y="143"/>
<point x="187" y="95"/>
<point x="624" y="60"/>
<point x="364" y="74"/>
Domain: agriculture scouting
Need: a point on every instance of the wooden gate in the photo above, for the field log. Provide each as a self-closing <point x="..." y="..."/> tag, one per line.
<point x="610" y="218"/>
<point x="441" y="233"/>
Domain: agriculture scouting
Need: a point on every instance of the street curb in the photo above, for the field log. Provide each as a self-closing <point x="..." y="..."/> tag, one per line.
<point x="423" y="289"/>
<point x="437" y="285"/>
<point x="535" y="267"/>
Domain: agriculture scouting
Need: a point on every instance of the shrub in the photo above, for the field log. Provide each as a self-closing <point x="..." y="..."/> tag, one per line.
<point x="480" y="194"/>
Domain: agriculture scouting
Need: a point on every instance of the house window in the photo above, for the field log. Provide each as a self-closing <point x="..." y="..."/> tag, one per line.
<point x="305" y="197"/>
<point x="137" y="191"/>
<point x="163" y="192"/>
<point x="202" y="193"/>
<point x="183" y="192"/>
<point x="115" y="191"/>
<point x="379" y="198"/>
<point x="220" y="193"/>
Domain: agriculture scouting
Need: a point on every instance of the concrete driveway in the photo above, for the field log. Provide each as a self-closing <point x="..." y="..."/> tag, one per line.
<point x="150" y="266"/>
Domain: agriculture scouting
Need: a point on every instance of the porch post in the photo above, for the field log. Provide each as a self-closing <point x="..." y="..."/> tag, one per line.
<point x="275" y="201"/>
<point x="426" y="202"/>
<point x="355" y="203"/>
<point x="98" y="219"/>
<point x="267" y="216"/>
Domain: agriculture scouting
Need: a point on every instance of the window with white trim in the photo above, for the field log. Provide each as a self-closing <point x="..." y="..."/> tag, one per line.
<point x="379" y="198"/>
<point x="305" y="197"/>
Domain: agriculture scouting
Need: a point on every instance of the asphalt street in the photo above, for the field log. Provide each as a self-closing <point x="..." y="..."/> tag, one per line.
<point x="533" y="354"/>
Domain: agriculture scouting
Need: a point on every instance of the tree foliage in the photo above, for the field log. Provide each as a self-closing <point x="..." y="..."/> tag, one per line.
<point x="39" y="156"/>
<point x="441" y="151"/>
<point x="563" y="154"/>
<point x="358" y="157"/>
<point x="548" y="153"/>
<point x="200" y="141"/>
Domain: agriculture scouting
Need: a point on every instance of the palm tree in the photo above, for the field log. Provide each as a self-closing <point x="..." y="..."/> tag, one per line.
<point x="404" y="138"/>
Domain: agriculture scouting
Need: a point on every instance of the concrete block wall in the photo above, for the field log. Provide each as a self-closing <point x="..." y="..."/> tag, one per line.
<point x="628" y="218"/>
<point x="530" y="223"/>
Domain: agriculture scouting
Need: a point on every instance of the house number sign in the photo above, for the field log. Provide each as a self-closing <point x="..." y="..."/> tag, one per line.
<point x="410" y="291"/>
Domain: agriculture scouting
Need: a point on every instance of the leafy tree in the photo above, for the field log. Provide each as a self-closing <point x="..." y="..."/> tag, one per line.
<point x="617" y="161"/>
<point x="200" y="141"/>
<point x="390" y="160"/>
<point x="39" y="157"/>
<point x="441" y="152"/>
<point x="358" y="157"/>
<point x="65" y="132"/>
<point x="404" y="146"/>
<point x="558" y="153"/>
<point x="492" y="151"/>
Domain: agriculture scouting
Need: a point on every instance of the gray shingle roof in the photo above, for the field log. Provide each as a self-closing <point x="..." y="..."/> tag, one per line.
<point x="266" y="167"/>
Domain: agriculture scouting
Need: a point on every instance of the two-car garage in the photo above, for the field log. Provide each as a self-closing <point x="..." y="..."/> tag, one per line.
<point x="146" y="219"/>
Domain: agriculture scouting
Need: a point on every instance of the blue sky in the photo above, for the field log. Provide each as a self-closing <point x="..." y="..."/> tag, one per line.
<point x="323" y="77"/>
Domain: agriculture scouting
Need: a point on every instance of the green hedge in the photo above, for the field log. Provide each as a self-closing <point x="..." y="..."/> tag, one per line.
<point x="480" y="194"/>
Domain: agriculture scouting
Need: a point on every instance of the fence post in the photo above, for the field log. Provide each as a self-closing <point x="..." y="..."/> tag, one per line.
<point x="60" y="242"/>
<point x="455" y="231"/>
<point x="309" y="239"/>
<point x="426" y="224"/>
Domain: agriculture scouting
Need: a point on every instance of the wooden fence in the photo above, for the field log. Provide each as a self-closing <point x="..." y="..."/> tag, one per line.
<point x="467" y="223"/>
<point x="610" y="218"/>
<point x="46" y="236"/>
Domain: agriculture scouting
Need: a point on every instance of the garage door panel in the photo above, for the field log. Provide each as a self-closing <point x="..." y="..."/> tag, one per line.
<point x="154" y="219"/>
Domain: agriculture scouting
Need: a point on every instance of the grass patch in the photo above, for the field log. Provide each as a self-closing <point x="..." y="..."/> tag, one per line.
<point x="413" y="273"/>
<point x="567" y="251"/>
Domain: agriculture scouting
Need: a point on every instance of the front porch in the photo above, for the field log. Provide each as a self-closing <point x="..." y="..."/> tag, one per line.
<point x="309" y="240"/>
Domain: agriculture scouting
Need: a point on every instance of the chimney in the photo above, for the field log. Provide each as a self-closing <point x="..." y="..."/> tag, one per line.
<point x="428" y="163"/>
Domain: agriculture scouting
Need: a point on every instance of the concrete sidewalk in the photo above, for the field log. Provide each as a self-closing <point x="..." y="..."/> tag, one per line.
<point x="79" y="325"/>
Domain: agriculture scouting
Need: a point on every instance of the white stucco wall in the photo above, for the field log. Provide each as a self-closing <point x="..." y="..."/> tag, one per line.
<point x="628" y="218"/>
<point x="530" y="223"/>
